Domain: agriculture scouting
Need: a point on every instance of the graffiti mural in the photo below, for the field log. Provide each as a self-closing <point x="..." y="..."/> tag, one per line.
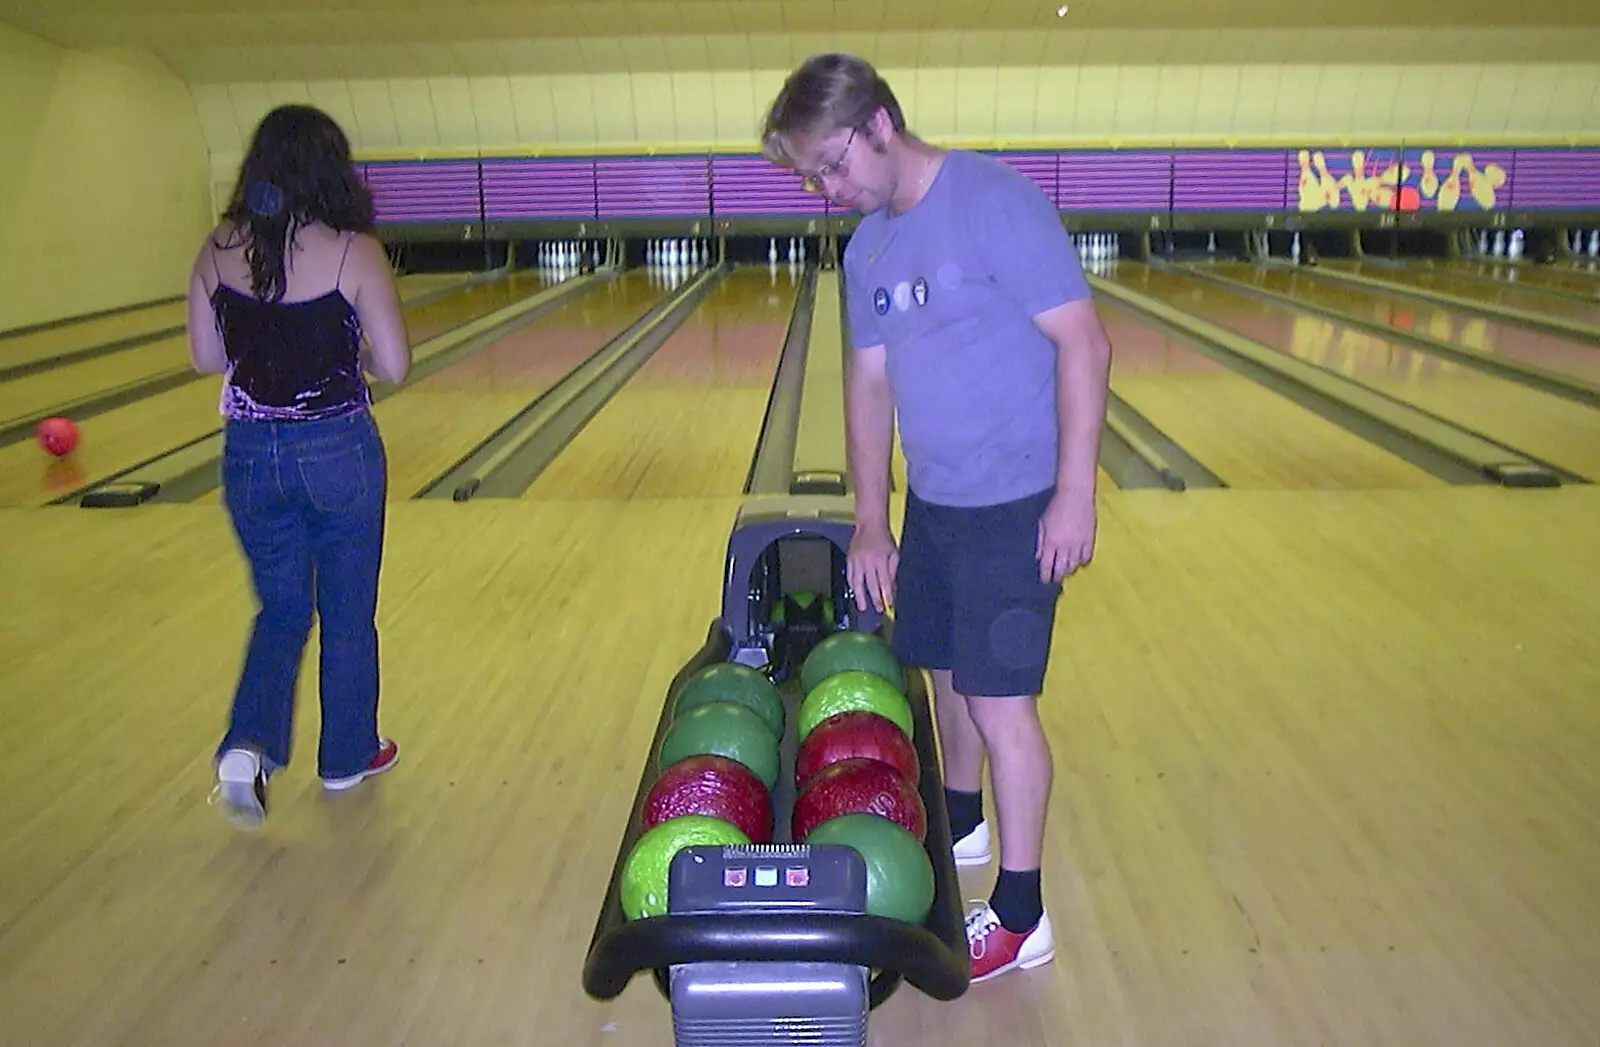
<point x="1362" y="181"/>
<point x="1396" y="180"/>
<point x="1448" y="180"/>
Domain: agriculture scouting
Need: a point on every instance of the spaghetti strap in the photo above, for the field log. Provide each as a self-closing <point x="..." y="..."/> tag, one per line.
<point x="349" y="239"/>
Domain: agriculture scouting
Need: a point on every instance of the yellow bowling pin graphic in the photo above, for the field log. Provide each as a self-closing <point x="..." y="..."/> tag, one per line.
<point x="1429" y="183"/>
<point x="1450" y="191"/>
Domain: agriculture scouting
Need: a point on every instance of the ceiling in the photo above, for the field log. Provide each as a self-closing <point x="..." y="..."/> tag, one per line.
<point x="205" y="40"/>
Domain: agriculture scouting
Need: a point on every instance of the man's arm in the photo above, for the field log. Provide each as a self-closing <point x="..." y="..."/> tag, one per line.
<point x="1032" y="257"/>
<point x="868" y="399"/>
<point x="1083" y="367"/>
<point x="869" y="430"/>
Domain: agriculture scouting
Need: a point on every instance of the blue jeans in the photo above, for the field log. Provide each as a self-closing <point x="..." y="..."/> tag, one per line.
<point x="307" y="502"/>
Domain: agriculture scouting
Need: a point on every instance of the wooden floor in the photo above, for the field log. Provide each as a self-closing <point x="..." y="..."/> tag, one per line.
<point x="1326" y="775"/>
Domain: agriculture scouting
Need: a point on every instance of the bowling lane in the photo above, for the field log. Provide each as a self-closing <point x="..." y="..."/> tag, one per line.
<point x="1248" y="435"/>
<point x="686" y="424"/>
<point x="46" y="390"/>
<point x="1445" y="282"/>
<point x="431" y="424"/>
<point x="149" y="427"/>
<point x="71" y="337"/>
<point x="31" y="346"/>
<point x="1525" y="274"/>
<point x="1556" y="430"/>
<point x="1507" y="340"/>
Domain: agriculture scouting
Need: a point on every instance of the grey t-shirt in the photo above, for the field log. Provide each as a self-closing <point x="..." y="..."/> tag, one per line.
<point x="950" y="288"/>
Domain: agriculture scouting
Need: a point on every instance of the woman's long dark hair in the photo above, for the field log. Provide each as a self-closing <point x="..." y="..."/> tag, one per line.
<point x="298" y="171"/>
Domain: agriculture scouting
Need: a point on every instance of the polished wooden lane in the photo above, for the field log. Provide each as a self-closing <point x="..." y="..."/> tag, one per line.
<point x="1523" y="274"/>
<point x="1547" y="426"/>
<point x="1359" y="807"/>
<point x="686" y="424"/>
<point x="150" y="426"/>
<point x="1507" y="340"/>
<point x="1242" y="431"/>
<point x="40" y="392"/>
<point x="43" y="343"/>
<point x="431" y="424"/>
<point x="1509" y="295"/>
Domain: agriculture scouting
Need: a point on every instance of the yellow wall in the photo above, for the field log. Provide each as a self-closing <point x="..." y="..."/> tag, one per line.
<point x="103" y="183"/>
<point x="962" y="88"/>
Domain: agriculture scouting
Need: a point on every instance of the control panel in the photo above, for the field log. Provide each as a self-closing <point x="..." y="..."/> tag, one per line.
<point x="767" y="878"/>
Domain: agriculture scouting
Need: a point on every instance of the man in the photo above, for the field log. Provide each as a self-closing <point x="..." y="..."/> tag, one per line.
<point x="972" y="324"/>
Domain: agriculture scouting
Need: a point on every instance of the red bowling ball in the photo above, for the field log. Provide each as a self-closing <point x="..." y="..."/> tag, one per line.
<point x="714" y="786"/>
<point x="859" y="786"/>
<point x="857" y="734"/>
<point x="58" y="436"/>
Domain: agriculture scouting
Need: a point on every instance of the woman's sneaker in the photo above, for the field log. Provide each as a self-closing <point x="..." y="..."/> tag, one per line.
<point x="388" y="753"/>
<point x="241" y="788"/>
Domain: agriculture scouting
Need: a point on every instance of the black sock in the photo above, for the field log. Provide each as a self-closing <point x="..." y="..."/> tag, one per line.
<point x="966" y="811"/>
<point x="1016" y="900"/>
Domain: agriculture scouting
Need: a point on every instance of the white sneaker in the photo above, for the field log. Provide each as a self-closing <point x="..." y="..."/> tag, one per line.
<point x="241" y="788"/>
<point x="973" y="848"/>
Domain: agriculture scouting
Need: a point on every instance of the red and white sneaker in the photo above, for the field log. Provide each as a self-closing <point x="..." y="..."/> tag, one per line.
<point x="388" y="753"/>
<point x="995" y="950"/>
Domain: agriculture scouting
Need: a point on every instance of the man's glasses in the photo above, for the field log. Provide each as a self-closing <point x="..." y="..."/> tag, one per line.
<point x="812" y="183"/>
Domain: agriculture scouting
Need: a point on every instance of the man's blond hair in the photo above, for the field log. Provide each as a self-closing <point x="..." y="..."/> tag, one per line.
<point x="827" y="93"/>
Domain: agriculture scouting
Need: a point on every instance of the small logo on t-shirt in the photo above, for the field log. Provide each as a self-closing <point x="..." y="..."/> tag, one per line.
<point x="880" y="301"/>
<point x="919" y="291"/>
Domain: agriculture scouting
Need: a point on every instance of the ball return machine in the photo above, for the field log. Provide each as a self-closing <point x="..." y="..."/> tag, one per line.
<point x="797" y="960"/>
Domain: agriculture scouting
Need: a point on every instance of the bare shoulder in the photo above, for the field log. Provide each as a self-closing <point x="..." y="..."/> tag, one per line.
<point x="224" y="236"/>
<point x="366" y="256"/>
<point x="213" y="250"/>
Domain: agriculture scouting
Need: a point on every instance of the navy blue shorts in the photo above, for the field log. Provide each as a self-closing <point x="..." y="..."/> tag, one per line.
<point x="968" y="596"/>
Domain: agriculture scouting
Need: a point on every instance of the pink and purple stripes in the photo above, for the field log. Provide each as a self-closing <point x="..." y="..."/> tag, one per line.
<point x="751" y="187"/>
<point x="1557" y="179"/>
<point x="525" y="189"/>
<point x="1105" y="181"/>
<point x="1228" y="180"/>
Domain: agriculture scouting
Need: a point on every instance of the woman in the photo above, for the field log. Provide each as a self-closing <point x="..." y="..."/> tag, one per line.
<point x="291" y="298"/>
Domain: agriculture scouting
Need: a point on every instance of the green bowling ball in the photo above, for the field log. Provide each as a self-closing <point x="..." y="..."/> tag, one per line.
<point x="853" y="691"/>
<point x="736" y="684"/>
<point x="807" y="605"/>
<point x="851" y="649"/>
<point x="643" y="888"/>
<point x="899" y="872"/>
<point x="723" y="729"/>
